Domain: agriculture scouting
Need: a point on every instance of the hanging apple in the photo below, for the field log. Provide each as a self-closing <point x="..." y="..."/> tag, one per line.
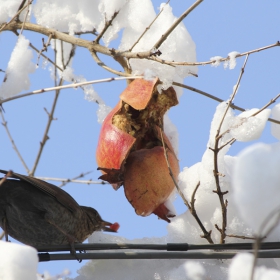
<point x="130" y="150"/>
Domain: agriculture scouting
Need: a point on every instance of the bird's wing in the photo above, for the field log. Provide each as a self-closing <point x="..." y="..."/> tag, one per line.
<point x="60" y="195"/>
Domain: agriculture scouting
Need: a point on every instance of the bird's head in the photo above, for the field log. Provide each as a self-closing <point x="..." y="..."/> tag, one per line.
<point x="97" y="221"/>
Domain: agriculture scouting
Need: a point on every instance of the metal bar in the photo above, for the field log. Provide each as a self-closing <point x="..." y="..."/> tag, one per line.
<point x="166" y="247"/>
<point x="151" y="255"/>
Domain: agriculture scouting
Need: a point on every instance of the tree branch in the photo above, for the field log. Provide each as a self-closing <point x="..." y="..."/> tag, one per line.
<point x="147" y="28"/>
<point x="216" y="165"/>
<point x="217" y="99"/>
<point x="106" y="26"/>
<point x="191" y="207"/>
<point x="4" y="123"/>
<point x="175" y="24"/>
<point x="74" y="85"/>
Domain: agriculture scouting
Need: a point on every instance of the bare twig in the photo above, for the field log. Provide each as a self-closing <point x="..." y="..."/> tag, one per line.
<point x="4" y="123"/>
<point x="275" y="214"/>
<point x="216" y="99"/>
<point x="29" y="2"/>
<point x="174" y="63"/>
<point x="65" y="181"/>
<point x="74" y="85"/>
<point x="41" y="54"/>
<point x="120" y="56"/>
<point x="50" y="115"/>
<point x="45" y="136"/>
<point x="147" y="28"/>
<point x="106" y="26"/>
<point x="175" y="24"/>
<point x="108" y="51"/>
<point x="206" y="234"/>
<point x="232" y="140"/>
<point x="191" y="206"/>
<point x="103" y="65"/>
<point x="267" y="105"/>
<point x="75" y="178"/>
<point x="85" y="32"/>
<point x="15" y="17"/>
<point x="240" y="236"/>
<point x="45" y="48"/>
<point x="216" y="150"/>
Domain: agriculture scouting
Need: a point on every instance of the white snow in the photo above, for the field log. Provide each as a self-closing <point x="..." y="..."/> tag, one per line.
<point x="63" y="51"/>
<point x="195" y="270"/>
<point x="217" y="60"/>
<point x="231" y="63"/>
<point x="275" y="128"/>
<point x="179" y="46"/>
<point x="83" y="15"/>
<point x="251" y="178"/>
<point x="17" y="261"/>
<point x="246" y="128"/>
<point x="171" y="132"/>
<point x="18" y="69"/>
<point x="9" y="9"/>
<point x="256" y="181"/>
<point x="241" y="268"/>
<point x="73" y="16"/>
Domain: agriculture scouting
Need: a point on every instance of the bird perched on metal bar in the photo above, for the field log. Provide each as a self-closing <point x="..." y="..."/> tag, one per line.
<point x="38" y="213"/>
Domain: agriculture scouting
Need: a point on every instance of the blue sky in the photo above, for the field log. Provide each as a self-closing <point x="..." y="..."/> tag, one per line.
<point x="218" y="28"/>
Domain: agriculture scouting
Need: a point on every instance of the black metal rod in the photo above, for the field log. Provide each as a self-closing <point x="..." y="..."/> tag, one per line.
<point x="151" y="255"/>
<point x="165" y="247"/>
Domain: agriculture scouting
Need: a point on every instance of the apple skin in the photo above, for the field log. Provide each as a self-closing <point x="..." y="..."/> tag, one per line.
<point x="130" y="152"/>
<point x="147" y="182"/>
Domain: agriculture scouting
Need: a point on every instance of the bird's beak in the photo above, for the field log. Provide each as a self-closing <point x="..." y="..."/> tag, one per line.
<point x="109" y="227"/>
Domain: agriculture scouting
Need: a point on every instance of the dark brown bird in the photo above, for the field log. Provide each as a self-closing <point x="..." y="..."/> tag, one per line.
<point x="37" y="213"/>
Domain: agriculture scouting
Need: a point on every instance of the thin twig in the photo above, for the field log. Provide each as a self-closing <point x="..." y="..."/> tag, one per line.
<point x="147" y="28"/>
<point x="41" y="54"/>
<point x="217" y="99"/>
<point x="45" y="136"/>
<point x="216" y="165"/>
<point x="4" y="123"/>
<point x="240" y="236"/>
<point x="261" y="237"/>
<point x="232" y="140"/>
<point x="206" y="234"/>
<point x="108" y="51"/>
<point x="191" y="207"/>
<point x="74" y="85"/>
<point x="75" y="178"/>
<point x="85" y="32"/>
<point x="25" y="18"/>
<point x="106" y="26"/>
<point x="103" y="65"/>
<point x="175" y="24"/>
<point x="267" y="105"/>
<point x="51" y="114"/>
<point x="65" y="181"/>
<point x="175" y="63"/>
<point x="14" y="17"/>
<point x="45" y="48"/>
